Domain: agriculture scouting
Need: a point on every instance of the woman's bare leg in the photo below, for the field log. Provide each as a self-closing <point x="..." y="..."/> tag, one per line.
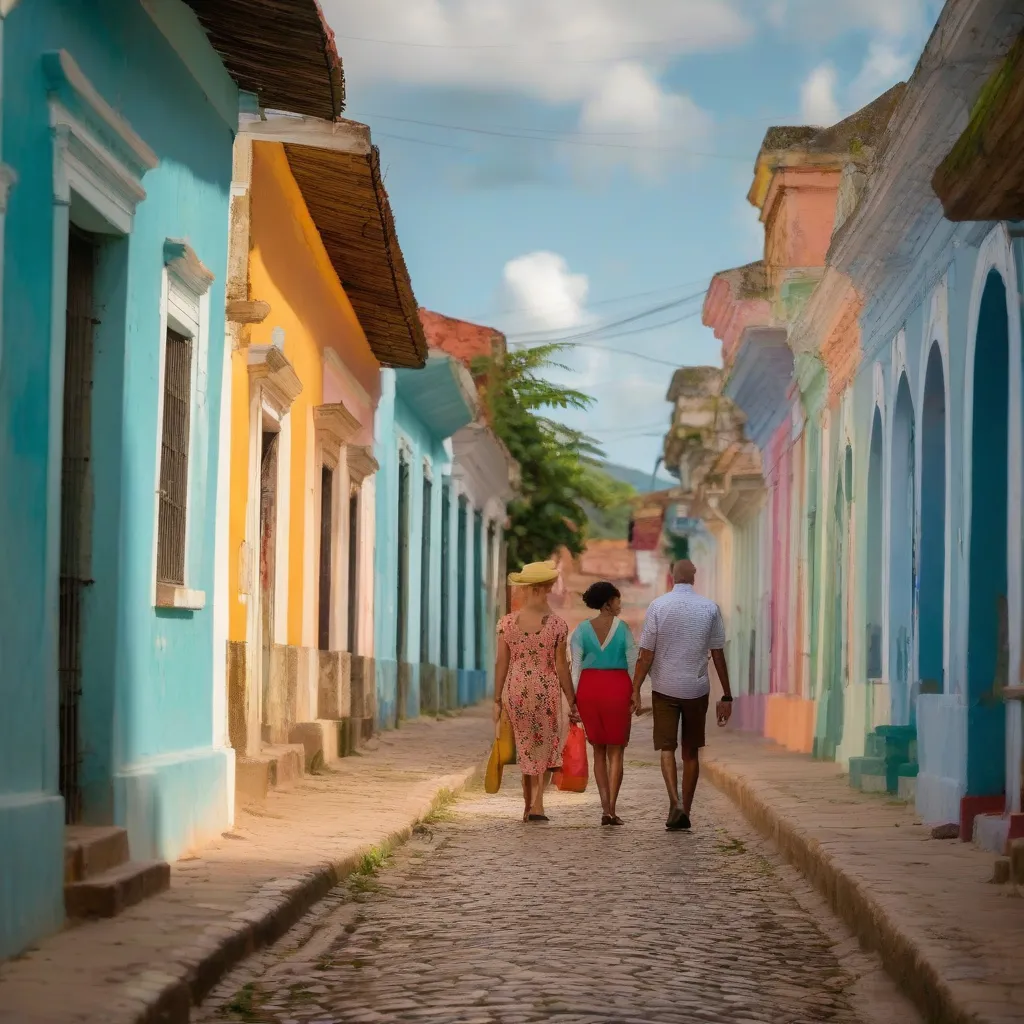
<point x="601" y="777"/>
<point x="615" y="760"/>
<point x="527" y="797"/>
<point x="540" y="783"/>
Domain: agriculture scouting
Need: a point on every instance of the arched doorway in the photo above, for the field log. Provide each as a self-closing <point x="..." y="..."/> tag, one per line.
<point x="875" y="554"/>
<point x="902" y="560"/>
<point x="987" y="632"/>
<point x="932" y="608"/>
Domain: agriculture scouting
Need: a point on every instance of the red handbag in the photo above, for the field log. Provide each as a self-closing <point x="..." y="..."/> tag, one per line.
<point x="575" y="769"/>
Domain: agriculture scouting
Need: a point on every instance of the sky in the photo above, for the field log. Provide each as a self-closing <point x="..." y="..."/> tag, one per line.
<point x="578" y="169"/>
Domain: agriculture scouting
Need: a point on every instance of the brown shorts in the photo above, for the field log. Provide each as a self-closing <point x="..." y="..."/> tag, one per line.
<point x="669" y="712"/>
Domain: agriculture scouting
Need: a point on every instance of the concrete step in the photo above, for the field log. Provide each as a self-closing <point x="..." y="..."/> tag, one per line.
<point x="90" y="851"/>
<point x="110" y="892"/>
<point x="272" y="768"/>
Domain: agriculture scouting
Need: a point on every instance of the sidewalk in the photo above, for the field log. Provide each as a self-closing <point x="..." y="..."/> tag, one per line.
<point x="150" y="964"/>
<point x="953" y="940"/>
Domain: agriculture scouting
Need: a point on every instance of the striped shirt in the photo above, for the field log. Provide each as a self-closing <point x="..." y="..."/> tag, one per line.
<point x="681" y="629"/>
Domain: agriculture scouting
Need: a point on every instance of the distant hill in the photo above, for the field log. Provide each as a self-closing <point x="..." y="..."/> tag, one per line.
<point x="636" y="478"/>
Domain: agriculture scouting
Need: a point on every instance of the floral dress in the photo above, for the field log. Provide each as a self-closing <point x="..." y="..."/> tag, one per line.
<point x="532" y="696"/>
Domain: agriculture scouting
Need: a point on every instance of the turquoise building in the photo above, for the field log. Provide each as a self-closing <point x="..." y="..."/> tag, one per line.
<point x="420" y="573"/>
<point x="115" y="163"/>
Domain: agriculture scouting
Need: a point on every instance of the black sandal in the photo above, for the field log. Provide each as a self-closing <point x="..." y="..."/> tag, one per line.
<point x="607" y="819"/>
<point x="616" y="820"/>
<point x="539" y="817"/>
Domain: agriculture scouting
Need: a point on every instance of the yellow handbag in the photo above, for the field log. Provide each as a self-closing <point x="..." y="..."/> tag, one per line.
<point x="506" y="741"/>
<point x="492" y="776"/>
<point x="503" y="752"/>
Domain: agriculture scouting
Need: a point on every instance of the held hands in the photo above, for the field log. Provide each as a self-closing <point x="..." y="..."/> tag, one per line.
<point x="638" y="707"/>
<point x="723" y="709"/>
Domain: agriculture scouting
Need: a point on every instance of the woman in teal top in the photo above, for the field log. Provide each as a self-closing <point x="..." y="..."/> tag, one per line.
<point x="603" y="657"/>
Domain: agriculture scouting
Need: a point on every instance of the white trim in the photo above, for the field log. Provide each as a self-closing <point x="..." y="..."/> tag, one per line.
<point x="340" y="136"/>
<point x="6" y="6"/>
<point x="936" y="332"/>
<point x="221" y="587"/>
<point x="185" y="309"/>
<point x="878" y="384"/>
<point x="61" y="71"/>
<point x="995" y="254"/>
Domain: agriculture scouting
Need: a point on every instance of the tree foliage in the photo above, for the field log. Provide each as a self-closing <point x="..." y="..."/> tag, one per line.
<point x="559" y="480"/>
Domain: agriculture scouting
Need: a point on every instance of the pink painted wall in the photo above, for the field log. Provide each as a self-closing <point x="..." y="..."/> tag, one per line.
<point x="799" y="213"/>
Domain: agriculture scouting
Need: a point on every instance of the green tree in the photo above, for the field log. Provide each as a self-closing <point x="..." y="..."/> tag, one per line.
<point x="557" y="483"/>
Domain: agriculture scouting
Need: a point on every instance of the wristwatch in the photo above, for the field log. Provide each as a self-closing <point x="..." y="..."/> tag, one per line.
<point x="725" y="700"/>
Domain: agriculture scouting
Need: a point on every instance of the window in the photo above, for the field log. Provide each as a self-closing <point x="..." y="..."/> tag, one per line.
<point x="170" y="552"/>
<point x="181" y="417"/>
<point x="326" y="551"/>
<point x="428" y="491"/>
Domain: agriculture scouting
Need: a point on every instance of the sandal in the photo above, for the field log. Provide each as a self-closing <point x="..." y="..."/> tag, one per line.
<point x="606" y="819"/>
<point x="616" y="820"/>
<point x="538" y="817"/>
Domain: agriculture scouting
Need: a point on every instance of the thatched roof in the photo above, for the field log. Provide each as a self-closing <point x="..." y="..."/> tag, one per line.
<point x="281" y="50"/>
<point x="345" y="196"/>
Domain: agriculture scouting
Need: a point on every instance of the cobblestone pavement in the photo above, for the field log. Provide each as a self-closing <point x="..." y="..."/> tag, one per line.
<point x="481" y="918"/>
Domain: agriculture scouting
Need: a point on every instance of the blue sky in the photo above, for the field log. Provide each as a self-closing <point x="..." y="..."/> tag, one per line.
<point x="557" y="167"/>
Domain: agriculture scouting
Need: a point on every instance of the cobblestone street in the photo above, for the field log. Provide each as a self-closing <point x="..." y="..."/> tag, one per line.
<point x="481" y="918"/>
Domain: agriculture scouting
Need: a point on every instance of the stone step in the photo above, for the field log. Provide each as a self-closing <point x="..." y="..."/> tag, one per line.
<point x="91" y="850"/>
<point x="110" y="892"/>
<point x="272" y="768"/>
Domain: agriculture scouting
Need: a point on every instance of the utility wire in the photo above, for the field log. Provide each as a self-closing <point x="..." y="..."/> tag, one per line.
<point x="559" y="139"/>
<point x="549" y="338"/>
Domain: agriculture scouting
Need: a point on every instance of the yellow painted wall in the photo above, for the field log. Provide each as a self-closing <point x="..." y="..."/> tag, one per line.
<point x="290" y="270"/>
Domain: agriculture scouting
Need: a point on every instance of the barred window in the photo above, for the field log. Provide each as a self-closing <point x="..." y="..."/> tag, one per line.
<point x="170" y="552"/>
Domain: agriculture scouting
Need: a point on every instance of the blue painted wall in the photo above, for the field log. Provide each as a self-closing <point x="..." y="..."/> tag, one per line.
<point x="396" y="423"/>
<point x="147" y="704"/>
<point x="960" y="732"/>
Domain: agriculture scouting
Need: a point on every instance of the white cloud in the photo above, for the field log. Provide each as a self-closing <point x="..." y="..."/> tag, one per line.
<point x="604" y="57"/>
<point x="884" y="65"/>
<point x="818" y="104"/>
<point x="556" y="52"/>
<point x="544" y="294"/>
<point x="631" y="101"/>
<point x="891" y="19"/>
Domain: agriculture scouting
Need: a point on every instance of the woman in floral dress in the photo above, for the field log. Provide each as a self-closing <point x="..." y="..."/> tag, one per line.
<point x="531" y="677"/>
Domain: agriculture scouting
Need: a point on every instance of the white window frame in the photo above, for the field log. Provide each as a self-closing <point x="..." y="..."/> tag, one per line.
<point x="184" y="308"/>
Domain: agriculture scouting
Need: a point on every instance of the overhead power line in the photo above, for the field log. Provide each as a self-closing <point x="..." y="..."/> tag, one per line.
<point x="559" y="139"/>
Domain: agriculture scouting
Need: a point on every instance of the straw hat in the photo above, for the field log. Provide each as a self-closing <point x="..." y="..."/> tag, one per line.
<point x="533" y="574"/>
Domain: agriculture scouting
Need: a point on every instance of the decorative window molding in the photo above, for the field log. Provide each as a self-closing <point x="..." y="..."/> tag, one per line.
<point x="361" y="463"/>
<point x="181" y="260"/>
<point x="335" y="426"/>
<point x="428" y="469"/>
<point x="405" y="450"/>
<point x="270" y="368"/>
<point x="244" y="311"/>
<point x="185" y="321"/>
<point x="97" y="155"/>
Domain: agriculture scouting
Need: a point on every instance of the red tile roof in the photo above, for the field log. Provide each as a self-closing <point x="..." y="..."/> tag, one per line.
<point x="459" y="338"/>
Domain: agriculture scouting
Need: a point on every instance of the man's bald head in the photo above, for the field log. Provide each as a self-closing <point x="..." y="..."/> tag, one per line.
<point x="684" y="571"/>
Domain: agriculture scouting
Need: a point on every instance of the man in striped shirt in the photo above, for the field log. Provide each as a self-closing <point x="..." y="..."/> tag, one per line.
<point x="681" y="630"/>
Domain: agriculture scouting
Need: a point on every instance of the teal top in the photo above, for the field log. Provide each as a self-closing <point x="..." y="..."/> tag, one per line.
<point x="585" y="651"/>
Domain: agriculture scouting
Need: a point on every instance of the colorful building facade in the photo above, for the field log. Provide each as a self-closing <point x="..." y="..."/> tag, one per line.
<point x="484" y="477"/>
<point x="309" y="212"/>
<point x="419" y="584"/>
<point x="116" y="180"/>
<point x="884" y="559"/>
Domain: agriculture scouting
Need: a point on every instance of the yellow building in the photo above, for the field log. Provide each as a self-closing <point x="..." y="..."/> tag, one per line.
<point x="318" y="299"/>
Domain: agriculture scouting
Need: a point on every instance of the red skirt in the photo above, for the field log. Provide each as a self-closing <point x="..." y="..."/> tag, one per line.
<point x="605" y="702"/>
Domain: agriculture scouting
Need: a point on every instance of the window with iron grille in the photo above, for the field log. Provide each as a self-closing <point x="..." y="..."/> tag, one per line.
<point x="170" y="552"/>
